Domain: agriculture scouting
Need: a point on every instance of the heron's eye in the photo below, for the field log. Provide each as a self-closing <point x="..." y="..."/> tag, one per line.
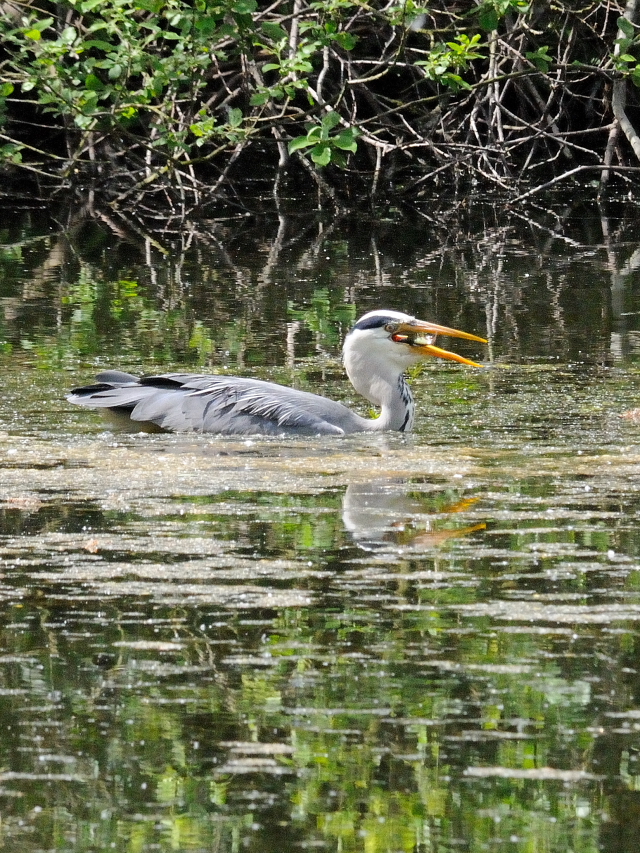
<point x="392" y="328"/>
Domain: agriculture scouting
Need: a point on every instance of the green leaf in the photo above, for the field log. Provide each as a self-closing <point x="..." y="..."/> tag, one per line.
<point x="68" y="35"/>
<point x="540" y="58"/>
<point x="34" y="35"/>
<point x="259" y="98"/>
<point x="345" y="40"/>
<point x="171" y="36"/>
<point x="330" y="120"/>
<point x="321" y="154"/>
<point x="228" y="31"/>
<point x="5" y="90"/>
<point x="271" y="66"/>
<point x="83" y="121"/>
<point x="488" y="19"/>
<point x="235" y="117"/>
<point x="115" y="71"/>
<point x="625" y="26"/>
<point x="98" y="44"/>
<point x="43" y="24"/>
<point x="11" y="152"/>
<point x="206" y="26"/>
<point x="94" y="83"/>
<point x="300" y="142"/>
<point x="626" y="57"/>
<point x="274" y="31"/>
<point x="455" y="82"/>
<point x="244" y="7"/>
<point x="90" y="5"/>
<point x="90" y="99"/>
<point x="346" y="139"/>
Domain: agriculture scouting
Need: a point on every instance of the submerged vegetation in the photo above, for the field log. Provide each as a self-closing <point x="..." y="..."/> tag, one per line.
<point x="153" y="103"/>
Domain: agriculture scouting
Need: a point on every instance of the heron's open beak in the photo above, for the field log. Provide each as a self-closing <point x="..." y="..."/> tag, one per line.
<point x="421" y="336"/>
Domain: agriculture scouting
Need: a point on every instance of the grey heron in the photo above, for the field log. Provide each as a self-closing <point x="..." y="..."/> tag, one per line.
<point x="377" y="352"/>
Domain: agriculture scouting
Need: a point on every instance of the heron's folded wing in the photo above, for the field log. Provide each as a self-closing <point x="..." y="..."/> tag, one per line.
<point x="103" y="395"/>
<point x="232" y="405"/>
<point x="217" y="404"/>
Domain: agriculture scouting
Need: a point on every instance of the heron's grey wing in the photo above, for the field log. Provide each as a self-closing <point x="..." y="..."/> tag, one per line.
<point x="234" y="406"/>
<point x="117" y="377"/>
<point x="220" y="404"/>
<point x="112" y="390"/>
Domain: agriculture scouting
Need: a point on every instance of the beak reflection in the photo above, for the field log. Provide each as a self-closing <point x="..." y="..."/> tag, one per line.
<point x="391" y="513"/>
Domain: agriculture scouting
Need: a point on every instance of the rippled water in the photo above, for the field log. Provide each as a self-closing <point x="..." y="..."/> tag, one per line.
<point x="381" y="643"/>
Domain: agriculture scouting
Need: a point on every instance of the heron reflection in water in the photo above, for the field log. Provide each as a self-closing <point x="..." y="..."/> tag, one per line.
<point x="388" y="513"/>
<point x="377" y="352"/>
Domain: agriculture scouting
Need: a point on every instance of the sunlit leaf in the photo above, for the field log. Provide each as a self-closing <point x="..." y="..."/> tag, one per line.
<point x="91" y="81"/>
<point x="321" y="154"/>
<point x="346" y="139"/>
<point x="347" y="41"/>
<point x="235" y="117"/>
<point x="98" y="44"/>
<point x="90" y="5"/>
<point x="244" y="7"/>
<point x="300" y="142"/>
<point x="259" y="98"/>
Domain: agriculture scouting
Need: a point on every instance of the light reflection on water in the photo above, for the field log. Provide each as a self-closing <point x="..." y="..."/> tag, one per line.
<point x="381" y="643"/>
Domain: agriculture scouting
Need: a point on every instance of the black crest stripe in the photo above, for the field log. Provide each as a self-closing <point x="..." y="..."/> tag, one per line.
<point x="374" y="322"/>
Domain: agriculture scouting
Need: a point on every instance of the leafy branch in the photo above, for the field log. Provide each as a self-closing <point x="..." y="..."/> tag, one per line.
<point x="184" y="100"/>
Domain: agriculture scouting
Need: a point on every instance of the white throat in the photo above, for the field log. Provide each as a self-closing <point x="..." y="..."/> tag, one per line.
<point x="382" y="382"/>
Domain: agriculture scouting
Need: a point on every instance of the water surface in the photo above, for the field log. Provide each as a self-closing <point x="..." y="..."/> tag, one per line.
<point x="380" y="643"/>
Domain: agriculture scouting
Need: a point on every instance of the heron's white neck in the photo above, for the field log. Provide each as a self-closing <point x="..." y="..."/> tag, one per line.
<point x="384" y="385"/>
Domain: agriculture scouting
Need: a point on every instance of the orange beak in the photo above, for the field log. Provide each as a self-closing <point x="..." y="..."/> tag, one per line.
<point x="421" y="336"/>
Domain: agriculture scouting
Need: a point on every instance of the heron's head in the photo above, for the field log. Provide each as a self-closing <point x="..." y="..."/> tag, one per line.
<point x="399" y="341"/>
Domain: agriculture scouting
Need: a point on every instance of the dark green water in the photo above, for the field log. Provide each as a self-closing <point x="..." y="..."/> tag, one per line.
<point x="382" y="643"/>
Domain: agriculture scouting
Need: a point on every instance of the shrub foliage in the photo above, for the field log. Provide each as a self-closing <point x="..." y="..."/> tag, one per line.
<point x="197" y="100"/>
